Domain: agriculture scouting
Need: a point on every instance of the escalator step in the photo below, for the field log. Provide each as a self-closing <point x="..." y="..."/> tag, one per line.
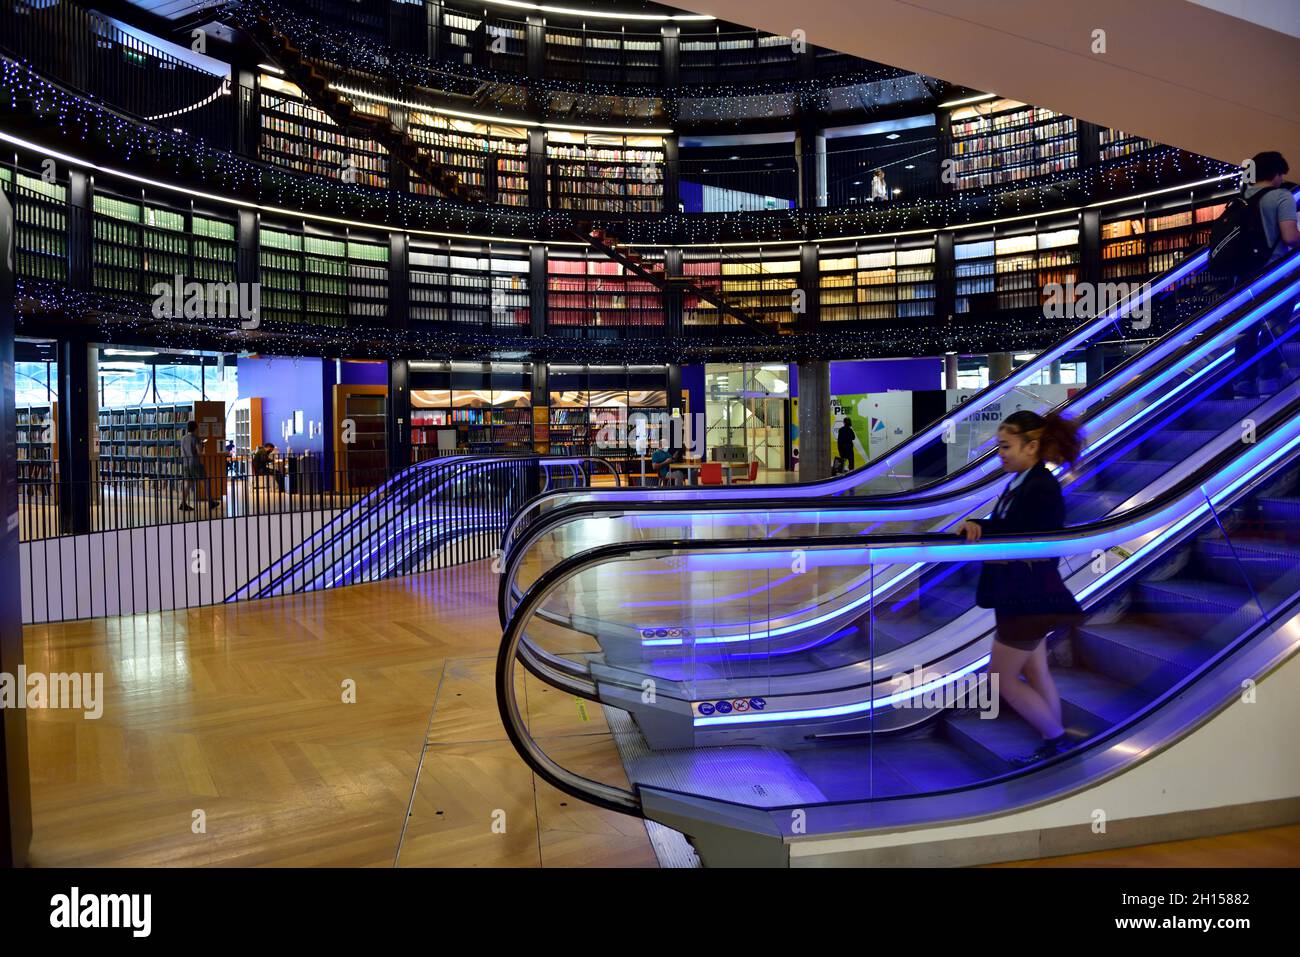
<point x="1175" y="444"/>
<point x="992" y="741"/>
<point x="1216" y="412"/>
<point x="1137" y="654"/>
<point x="1094" y="702"/>
<point x="1260" y="560"/>
<point x="925" y="765"/>
<point x="1126" y="475"/>
<point x="1281" y="508"/>
<point x="1203" y="610"/>
<point x="1084" y="506"/>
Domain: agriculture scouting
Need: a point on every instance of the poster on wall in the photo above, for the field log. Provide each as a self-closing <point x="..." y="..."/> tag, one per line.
<point x="880" y="421"/>
<point x="974" y="433"/>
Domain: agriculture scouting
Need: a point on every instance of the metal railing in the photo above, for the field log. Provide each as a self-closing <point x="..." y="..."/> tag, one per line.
<point x="268" y="534"/>
<point x="90" y="54"/>
<point x="50" y="507"/>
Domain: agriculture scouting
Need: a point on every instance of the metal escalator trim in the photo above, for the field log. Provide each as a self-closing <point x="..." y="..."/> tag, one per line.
<point x="1183" y="709"/>
<point x="366" y="508"/>
<point x="1165" y="365"/>
<point x="1275" y="446"/>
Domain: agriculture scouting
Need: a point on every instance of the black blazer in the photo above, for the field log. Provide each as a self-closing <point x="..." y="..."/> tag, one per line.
<point x="844" y="440"/>
<point x="1027" y="587"/>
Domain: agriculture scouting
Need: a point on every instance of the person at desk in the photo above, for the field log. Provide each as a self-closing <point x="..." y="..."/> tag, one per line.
<point x="262" y="466"/>
<point x="663" y="461"/>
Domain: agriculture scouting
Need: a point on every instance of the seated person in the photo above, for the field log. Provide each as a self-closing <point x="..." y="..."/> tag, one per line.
<point x="662" y="460"/>
<point x="262" y="466"/>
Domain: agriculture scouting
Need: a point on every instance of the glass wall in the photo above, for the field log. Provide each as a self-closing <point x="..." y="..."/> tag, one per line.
<point x="747" y="412"/>
<point x="129" y="377"/>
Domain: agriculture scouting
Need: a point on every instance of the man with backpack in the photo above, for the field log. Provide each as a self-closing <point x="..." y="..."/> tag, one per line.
<point x="1257" y="230"/>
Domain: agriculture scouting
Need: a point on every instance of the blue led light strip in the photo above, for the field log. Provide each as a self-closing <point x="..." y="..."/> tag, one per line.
<point x="1246" y="469"/>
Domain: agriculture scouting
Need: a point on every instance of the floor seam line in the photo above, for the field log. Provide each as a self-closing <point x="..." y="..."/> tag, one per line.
<point x="419" y="767"/>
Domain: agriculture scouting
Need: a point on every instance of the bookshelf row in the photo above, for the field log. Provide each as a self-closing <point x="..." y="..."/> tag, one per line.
<point x="144" y="441"/>
<point x="877" y="284"/>
<point x="1009" y="272"/>
<point x="37" y="446"/>
<point x="297" y="135"/>
<point x="1140" y="242"/>
<point x="1003" y="141"/>
<point x="338" y="279"/>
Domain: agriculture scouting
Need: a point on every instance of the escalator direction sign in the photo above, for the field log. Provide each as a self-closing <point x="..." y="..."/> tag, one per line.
<point x="727" y="706"/>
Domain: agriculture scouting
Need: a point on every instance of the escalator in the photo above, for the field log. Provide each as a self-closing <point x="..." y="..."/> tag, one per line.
<point x="556" y="526"/>
<point x="1191" y="597"/>
<point x="1172" y="298"/>
<point x="403" y="524"/>
<point x="1181" y="307"/>
<point x="780" y="636"/>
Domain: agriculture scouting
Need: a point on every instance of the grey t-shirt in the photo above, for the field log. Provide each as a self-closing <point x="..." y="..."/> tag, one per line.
<point x="1276" y="207"/>
<point x="191" y="446"/>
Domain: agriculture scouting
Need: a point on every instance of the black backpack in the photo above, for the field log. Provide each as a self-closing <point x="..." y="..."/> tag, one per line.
<point x="1238" y="245"/>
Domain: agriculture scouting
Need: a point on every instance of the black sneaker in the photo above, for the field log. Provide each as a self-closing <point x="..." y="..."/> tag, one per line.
<point x="185" y="508"/>
<point x="214" y="503"/>
<point x="1044" y="752"/>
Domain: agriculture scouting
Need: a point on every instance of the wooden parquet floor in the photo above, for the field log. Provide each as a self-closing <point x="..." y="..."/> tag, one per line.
<point x="238" y="712"/>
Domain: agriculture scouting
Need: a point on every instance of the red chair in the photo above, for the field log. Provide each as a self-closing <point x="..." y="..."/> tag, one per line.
<point x="711" y="473"/>
<point x="751" y="478"/>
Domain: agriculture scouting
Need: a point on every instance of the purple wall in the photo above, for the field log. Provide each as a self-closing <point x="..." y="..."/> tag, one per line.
<point x="365" y="373"/>
<point x="881" y="375"/>
<point x="285" y="385"/>
<point x="693" y="385"/>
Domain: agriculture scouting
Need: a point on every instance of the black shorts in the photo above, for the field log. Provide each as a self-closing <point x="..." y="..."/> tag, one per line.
<point x="1024" y="632"/>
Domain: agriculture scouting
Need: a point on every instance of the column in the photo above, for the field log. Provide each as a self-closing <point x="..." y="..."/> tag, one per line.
<point x="810" y="147"/>
<point x="399" y="281"/>
<point x="814" y="420"/>
<point x="537" y="168"/>
<point x="1095" y="357"/>
<point x="399" y="177"/>
<point x="674" y="318"/>
<point x="248" y="111"/>
<point x="537" y="290"/>
<point x="1090" y="247"/>
<point x="999" y="366"/>
<point x="80" y="241"/>
<point x="674" y="384"/>
<point x="810" y="286"/>
<point x="535" y="46"/>
<point x="950" y="379"/>
<point x="432" y="27"/>
<point x="945" y="278"/>
<point x="399" y="413"/>
<point x="15" y="785"/>
<point x="671" y="177"/>
<point x="77" y="376"/>
<point x="1054" y="372"/>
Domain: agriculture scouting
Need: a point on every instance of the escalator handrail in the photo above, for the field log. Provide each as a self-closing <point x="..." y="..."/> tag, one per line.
<point x="1155" y="286"/>
<point x="564" y="513"/>
<point x="994" y="390"/>
<point x="431" y="470"/>
<point x="626" y="801"/>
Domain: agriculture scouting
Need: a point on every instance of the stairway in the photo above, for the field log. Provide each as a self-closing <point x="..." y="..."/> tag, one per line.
<point x="315" y="82"/>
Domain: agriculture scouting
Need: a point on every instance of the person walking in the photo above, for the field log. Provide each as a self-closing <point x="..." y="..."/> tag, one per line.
<point x="1028" y="598"/>
<point x="844" y="444"/>
<point x="193" y="473"/>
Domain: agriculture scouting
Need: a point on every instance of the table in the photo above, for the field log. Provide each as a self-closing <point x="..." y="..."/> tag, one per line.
<point x="692" y="470"/>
